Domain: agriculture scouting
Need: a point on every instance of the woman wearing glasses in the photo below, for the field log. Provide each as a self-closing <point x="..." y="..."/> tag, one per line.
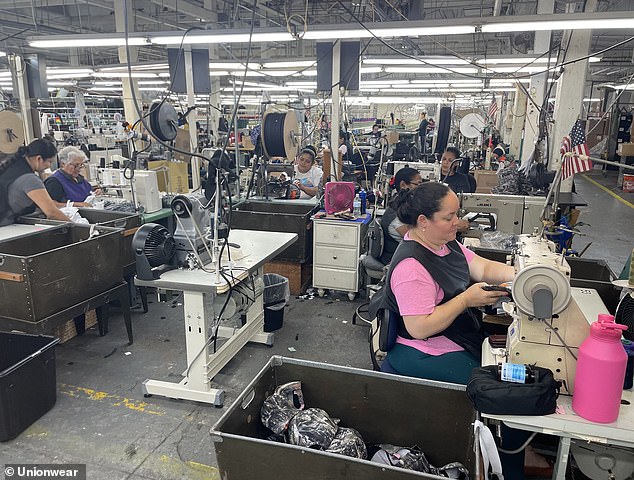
<point x="393" y="229"/>
<point x="67" y="183"/>
<point x="21" y="189"/>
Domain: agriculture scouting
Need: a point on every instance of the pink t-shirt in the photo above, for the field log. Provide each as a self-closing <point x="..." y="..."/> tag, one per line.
<point x="417" y="293"/>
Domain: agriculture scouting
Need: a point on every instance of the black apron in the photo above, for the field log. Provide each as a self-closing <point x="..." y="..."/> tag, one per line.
<point x="451" y="272"/>
<point x="17" y="168"/>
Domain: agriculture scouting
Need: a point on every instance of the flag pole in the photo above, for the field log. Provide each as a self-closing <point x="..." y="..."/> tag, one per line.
<point x="556" y="184"/>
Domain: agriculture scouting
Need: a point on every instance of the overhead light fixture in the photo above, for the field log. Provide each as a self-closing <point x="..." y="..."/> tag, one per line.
<point x="3" y="54"/>
<point x="459" y="26"/>
<point x="191" y="39"/>
<point x="69" y="41"/>
<point x="100" y="74"/>
<point x="301" y="84"/>
<point x="371" y="69"/>
<point x="296" y="64"/>
<point x="430" y="70"/>
<point x="231" y="65"/>
<point x="418" y="61"/>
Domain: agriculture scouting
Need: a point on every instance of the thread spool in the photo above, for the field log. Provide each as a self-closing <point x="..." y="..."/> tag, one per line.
<point x="279" y="134"/>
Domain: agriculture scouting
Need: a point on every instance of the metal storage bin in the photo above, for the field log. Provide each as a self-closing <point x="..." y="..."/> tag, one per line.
<point x="50" y="270"/>
<point x="129" y="222"/>
<point x="283" y="216"/>
<point x="384" y="408"/>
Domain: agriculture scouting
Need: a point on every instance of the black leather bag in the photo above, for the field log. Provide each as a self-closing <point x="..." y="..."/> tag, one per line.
<point x="493" y="396"/>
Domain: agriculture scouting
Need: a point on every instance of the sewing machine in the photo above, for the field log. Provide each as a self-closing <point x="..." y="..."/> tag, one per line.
<point x="428" y="171"/>
<point x="498" y="212"/>
<point x="550" y="318"/>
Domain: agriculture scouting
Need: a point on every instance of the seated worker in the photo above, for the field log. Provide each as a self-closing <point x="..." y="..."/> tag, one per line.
<point x="428" y="285"/>
<point x="67" y="183"/>
<point x="345" y="149"/>
<point x="393" y="229"/>
<point x="498" y="154"/>
<point x="21" y="190"/>
<point x="308" y="176"/>
<point x="458" y="182"/>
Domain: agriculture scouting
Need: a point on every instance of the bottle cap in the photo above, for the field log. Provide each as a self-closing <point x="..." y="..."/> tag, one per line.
<point x="605" y="317"/>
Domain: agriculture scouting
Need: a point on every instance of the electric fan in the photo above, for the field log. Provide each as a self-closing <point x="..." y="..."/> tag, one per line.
<point x="339" y="197"/>
<point x="153" y="248"/>
<point x="625" y="315"/>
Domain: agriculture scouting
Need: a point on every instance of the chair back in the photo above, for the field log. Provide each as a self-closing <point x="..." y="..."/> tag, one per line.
<point x="375" y="239"/>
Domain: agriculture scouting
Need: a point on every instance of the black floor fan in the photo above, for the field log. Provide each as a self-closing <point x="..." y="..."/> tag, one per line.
<point x="625" y="315"/>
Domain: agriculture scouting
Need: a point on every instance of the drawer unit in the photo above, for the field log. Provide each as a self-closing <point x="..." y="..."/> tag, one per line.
<point x="341" y="257"/>
<point x="337" y="245"/>
<point x="340" y="235"/>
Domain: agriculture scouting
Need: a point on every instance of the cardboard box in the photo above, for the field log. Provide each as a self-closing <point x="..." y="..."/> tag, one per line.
<point x="392" y="137"/>
<point x="485" y="180"/>
<point x="626" y="150"/>
<point x="172" y="176"/>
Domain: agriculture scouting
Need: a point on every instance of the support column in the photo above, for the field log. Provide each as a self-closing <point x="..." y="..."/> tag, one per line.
<point x="193" y="116"/>
<point x="537" y="87"/>
<point x="570" y="91"/>
<point x="334" y="123"/>
<point x="20" y="86"/>
<point x="517" y="129"/>
<point x="214" y="98"/>
<point x="129" y="109"/>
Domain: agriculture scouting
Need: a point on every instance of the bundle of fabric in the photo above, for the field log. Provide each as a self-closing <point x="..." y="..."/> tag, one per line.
<point x="285" y="415"/>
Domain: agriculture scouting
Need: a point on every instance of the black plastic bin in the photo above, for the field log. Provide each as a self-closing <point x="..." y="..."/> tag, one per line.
<point x="27" y="381"/>
<point x="276" y="295"/>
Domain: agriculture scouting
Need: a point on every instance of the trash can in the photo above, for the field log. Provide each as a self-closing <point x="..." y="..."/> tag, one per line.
<point x="276" y="295"/>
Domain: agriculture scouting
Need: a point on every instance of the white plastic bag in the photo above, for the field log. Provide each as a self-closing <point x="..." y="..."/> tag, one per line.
<point x="73" y="213"/>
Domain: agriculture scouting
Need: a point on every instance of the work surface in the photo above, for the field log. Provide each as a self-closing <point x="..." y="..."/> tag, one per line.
<point x="256" y="248"/>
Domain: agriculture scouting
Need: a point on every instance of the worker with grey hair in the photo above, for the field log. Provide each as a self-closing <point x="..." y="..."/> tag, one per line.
<point x="67" y="184"/>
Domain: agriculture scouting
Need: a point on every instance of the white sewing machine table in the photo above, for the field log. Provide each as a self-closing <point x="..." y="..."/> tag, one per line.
<point x="568" y="425"/>
<point x="199" y="289"/>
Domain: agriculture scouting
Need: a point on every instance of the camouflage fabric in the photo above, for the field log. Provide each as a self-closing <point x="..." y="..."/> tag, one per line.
<point x="279" y="408"/>
<point x="407" y="458"/>
<point x="508" y="180"/>
<point x="312" y="428"/>
<point x="348" y="442"/>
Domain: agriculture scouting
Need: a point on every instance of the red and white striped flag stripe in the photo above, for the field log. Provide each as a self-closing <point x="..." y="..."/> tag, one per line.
<point x="575" y="143"/>
<point x="493" y="109"/>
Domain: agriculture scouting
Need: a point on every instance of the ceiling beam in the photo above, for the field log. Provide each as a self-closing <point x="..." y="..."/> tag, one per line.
<point x="181" y="6"/>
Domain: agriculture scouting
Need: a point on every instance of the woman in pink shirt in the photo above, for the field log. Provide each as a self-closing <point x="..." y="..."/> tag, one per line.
<point x="431" y="285"/>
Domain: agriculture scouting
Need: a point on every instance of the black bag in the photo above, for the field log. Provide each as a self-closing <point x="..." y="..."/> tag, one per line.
<point x="493" y="396"/>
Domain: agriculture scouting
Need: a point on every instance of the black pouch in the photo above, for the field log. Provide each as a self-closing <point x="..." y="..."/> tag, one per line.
<point x="493" y="396"/>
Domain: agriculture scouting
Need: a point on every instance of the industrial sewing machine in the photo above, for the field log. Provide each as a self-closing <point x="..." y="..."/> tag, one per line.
<point x="550" y="318"/>
<point x="505" y="213"/>
<point x="428" y="171"/>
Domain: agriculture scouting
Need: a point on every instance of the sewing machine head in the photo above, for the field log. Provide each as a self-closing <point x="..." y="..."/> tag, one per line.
<point x="550" y="318"/>
<point x="507" y="211"/>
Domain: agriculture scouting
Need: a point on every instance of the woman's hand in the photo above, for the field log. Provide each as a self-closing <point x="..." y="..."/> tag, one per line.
<point x="474" y="296"/>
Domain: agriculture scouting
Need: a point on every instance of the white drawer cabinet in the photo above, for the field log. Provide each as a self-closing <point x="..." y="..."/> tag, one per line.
<point x="337" y="245"/>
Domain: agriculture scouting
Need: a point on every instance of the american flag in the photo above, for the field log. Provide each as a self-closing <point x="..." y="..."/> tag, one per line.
<point x="493" y="109"/>
<point x="575" y="143"/>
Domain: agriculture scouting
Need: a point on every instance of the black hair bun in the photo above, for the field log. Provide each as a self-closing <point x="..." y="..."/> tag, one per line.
<point x="310" y="150"/>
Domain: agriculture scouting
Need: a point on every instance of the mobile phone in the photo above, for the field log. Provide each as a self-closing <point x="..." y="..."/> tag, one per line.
<point x="497" y="288"/>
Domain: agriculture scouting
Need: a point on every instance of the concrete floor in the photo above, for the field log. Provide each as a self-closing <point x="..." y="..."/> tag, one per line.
<point x="102" y="419"/>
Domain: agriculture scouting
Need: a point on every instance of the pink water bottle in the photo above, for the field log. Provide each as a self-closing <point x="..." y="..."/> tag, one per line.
<point x="600" y="372"/>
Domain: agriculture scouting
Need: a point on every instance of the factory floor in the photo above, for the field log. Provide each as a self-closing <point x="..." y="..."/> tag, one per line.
<point x="102" y="419"/>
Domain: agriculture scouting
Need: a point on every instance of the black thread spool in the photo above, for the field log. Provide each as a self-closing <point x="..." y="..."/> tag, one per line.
<point x="278" y="134"/>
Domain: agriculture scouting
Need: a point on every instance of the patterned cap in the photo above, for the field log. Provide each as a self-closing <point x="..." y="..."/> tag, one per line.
<point x="312" y="428"/>
<point x="348" y="442"/>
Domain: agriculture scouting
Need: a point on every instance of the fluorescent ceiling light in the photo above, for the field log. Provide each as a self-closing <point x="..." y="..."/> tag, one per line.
<point x="89" y="41"/>
<point x="280" y="73"/>
<point x="124" y="75"/>
<point x="499" y="89"/>
<point x="518" y="69"/>
<point x="214" y="73"/>
<point x="3" y="54"/>
<point x="106" y="89"/>
<point x="624" y="87"/>
<point x="295" y="64"/>
<point x="430" y="70"/>
<point x="301" y="84"/>
<point x="383" y="82"/>
<point x="60" y="84"/>
<point x="110" y="83"/>
<point x="563" y="24"/>
<point x="412" y="61"/>
<point x="152" y="82"/>
<point x="309" y="73"/>
<point x="232" y="65"/>
<point x="124" y="68"/>
<point x="404" y="89"/>
<point x="371" y="69"/>
<point x="152" y="89"/>
<point x="222" y="38"/>
<point x="74" y="71"/>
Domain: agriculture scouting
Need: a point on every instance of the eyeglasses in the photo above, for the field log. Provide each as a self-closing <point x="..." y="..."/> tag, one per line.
<point x="77" y="165"/>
